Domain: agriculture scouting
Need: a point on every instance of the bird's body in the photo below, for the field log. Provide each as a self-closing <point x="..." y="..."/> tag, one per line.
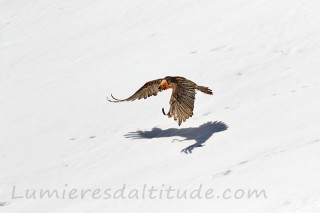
<point x="182" y="98"/>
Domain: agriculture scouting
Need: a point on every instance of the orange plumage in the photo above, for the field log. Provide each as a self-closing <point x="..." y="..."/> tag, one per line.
<point x="182" y="97"/>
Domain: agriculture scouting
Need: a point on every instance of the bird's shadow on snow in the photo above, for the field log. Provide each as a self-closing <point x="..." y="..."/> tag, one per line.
<point x="200" y="134"/>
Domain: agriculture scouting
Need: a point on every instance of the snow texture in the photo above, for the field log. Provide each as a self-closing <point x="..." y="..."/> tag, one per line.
<point x="59" y="60"/>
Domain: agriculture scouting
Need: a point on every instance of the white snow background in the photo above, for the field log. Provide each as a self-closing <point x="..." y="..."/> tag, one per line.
<point x="59" y="60"/>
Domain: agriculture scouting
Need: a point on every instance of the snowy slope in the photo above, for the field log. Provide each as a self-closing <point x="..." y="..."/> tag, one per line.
<point x="59" y="60"/>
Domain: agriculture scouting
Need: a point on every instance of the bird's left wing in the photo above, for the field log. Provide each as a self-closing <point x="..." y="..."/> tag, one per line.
<point x="150" y="88"/>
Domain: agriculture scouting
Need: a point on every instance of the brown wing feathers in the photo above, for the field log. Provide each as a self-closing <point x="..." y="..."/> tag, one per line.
<point x="182" y="98"/>
<point x="148" y="89"/>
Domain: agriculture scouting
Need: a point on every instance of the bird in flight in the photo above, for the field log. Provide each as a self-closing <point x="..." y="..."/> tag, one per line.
<point x="182" y="97"/>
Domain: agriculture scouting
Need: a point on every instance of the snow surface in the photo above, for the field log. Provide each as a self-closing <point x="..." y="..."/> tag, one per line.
<point x="59" y="60"/>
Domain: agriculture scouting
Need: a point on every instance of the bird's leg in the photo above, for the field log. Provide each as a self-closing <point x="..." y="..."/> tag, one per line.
<point x="168" y="114"/>
<point x="163" y="111"/>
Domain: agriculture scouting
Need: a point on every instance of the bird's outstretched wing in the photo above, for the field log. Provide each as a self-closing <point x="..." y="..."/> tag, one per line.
<point x="148" y="89"/>
<point x="182" y="100"/>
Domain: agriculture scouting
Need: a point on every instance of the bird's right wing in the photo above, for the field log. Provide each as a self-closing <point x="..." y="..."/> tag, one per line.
<point x="182" y="100"/>
<point x="150" y="88"/>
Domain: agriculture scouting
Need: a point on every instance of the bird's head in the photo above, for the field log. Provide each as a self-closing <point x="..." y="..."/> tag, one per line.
<point x="164" y="85"/>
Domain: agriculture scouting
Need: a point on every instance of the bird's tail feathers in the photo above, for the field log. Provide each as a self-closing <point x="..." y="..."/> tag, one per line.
<point x="204" y="89"/>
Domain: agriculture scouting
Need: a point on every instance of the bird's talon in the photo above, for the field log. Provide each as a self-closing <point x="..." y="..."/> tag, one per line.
<point x="182" y="97"/>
